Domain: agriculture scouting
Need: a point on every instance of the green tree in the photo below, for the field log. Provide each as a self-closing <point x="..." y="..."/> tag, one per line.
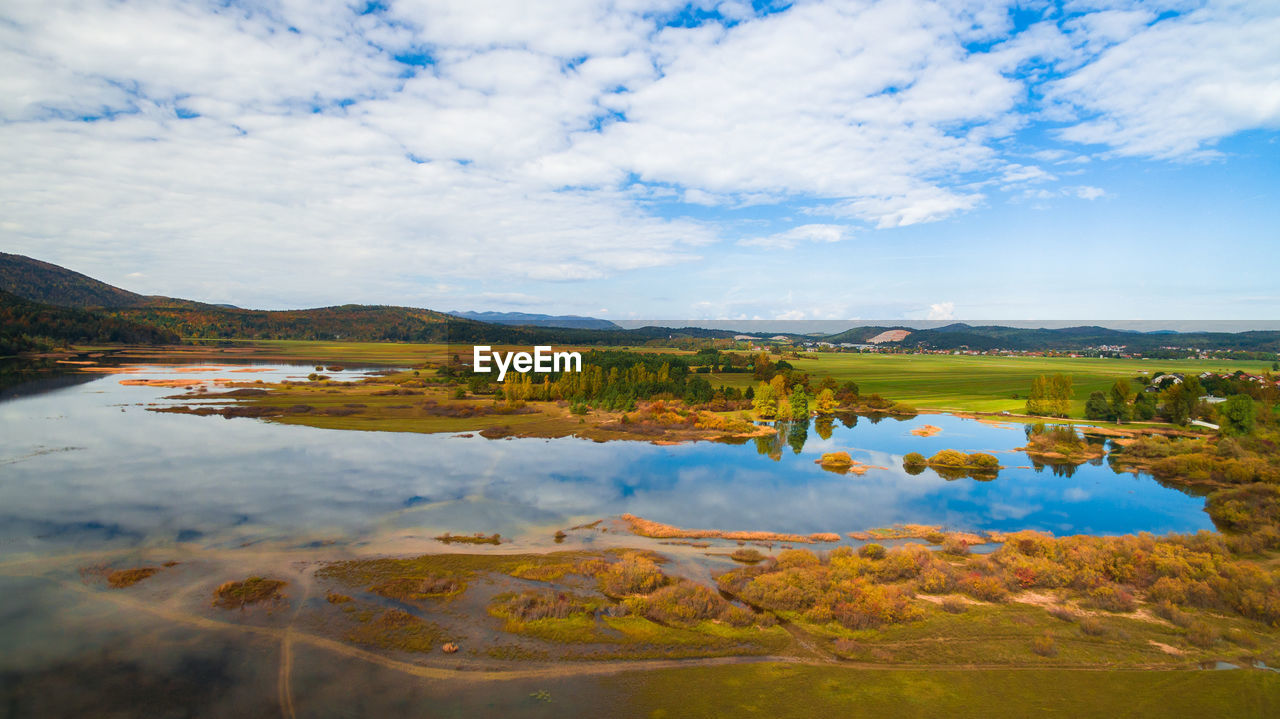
<point x="1178" y="401"/>
<point x="799" y="404"/>
<point x="1096" y="407"/>
<point x="1060" y="395"/>
<point x="1144" y="407"/>
<point x="1118" y="400"/>
<point x="1038" y="399"/>
<point x="1237" y="415"/>
<point x="765" y="402"/>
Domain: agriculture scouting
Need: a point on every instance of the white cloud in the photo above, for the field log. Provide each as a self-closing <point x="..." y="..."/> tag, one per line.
<point x="548" y="141"/>
<point x="1172" y="89"/>
<point x="797" y="235"/>
<point x="942" y="311"/>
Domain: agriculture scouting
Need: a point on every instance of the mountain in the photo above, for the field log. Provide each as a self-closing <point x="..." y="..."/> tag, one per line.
<point x="170" y="317"/>
<point x="53" y="285"/>
<point x="26" y="326"/>
<point x="536" y="320"/>
<point x="989" y="337"/>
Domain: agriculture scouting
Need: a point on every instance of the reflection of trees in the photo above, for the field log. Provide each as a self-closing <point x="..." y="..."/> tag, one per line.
<point x="914" y="469"/>
<point x="770" y="445"/>
<point x="1059" y="470"/>
<point x="824" y="426"/>
<point x="797" y="434"/>
<point x="24" y="378"/>
<point x="849" y="420"/>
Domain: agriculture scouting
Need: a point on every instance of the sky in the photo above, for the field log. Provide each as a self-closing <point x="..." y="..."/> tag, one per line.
<point x="633" y="159"/>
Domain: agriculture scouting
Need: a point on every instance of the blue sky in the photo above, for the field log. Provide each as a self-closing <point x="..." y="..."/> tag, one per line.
<point x="654" y="159"/>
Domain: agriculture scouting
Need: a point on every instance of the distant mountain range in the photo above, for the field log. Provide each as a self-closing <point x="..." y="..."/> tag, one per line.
<point x="37" y="297"/>
<point x="536" y="320"/>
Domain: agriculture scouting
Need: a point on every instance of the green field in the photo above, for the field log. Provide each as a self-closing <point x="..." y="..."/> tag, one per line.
<point x="808" y="692"/>
<point x="937" y="382"/>
<point x="982" y="383"/>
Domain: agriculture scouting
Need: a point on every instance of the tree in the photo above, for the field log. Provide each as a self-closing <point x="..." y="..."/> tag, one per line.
<point x="826" y="402"/>
<point x="1050" y="395"/>
<point x="765" y="402"/>
<point x="1060" y="394"/>
<point x="1118" y="400"/>
<point x="1096" y="407"/>
<point x="1237" y="415"/>
<point x="750" y="393"/>
<point x="1038" y="399"/>
<point x="1144" y="407"/>
<point x="799" y="404"/>
<point x="1178" y="402"/>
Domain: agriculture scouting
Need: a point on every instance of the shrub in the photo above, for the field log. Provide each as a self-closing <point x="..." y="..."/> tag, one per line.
<point x="532" y="605"/>
<point x="871" y="551"/>
<point x="1202" y="634"/>
<point x="949" y="458"/>
<point x="956" y="546"/>
<point x="984" y="587"/>
<point x="954" y="605"/>
<point x="1044" y="646"/>
<point x="937" y="580"/>
<point x="797" y="558"/>
<point x="747" y="555"/>
<point x="634" y="574"/>
<point x="736" y="616"/>
<point x="1111" y="598"/>
<point x="684" y="603"/>
<point x="1092" y="626"/>
<point x="983" y="462"/>
<point x="913" y="459"/>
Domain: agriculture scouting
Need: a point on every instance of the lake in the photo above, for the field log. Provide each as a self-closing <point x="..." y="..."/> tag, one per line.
<point x="89" y="476"/>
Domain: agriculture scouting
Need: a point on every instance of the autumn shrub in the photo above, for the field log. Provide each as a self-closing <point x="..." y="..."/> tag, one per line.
<point x="954" y="605"/>
<point x="1202" y="634"/>
<point x="747" y="555"/>
<point x="531" y="605"/>
<point x="1092" y="626"/>
<point x="956" y="546"/>
<point x="683" y="603"/>
<point x="985" y="587"/>
<point x="871" y="551"/>
<point x="797" y="558"/>
<point x="937" y="580"/>
<point x="789" y="588"/>
<point x="736" y="616"/>
<point x="1044" y="646"/>
<point x="914" y="459"/>
<point x="949" y="458"/>
<point x="633" y="574"/>
<point x="982" y="462"/>
<point x="1110" y="598"/>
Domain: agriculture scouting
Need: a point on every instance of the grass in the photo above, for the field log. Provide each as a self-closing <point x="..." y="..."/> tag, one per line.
<point x="398" y="630"/>
<point x="122" y="578"/>
<point x="980" y="383"/>
<point x="254" y="590"/>
<point x="804" y="692"/>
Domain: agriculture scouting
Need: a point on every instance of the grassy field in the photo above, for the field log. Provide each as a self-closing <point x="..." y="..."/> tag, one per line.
<point x="938" y="382"/>
<point x="981" y="384"/>
<point x="784" y="690"/>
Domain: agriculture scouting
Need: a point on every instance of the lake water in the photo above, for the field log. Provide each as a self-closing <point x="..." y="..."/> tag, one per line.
<point x="88" y="465"/>
<point x="89" y="476"/>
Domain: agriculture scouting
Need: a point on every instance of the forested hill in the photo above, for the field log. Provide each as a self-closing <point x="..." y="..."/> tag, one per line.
<point x="169" y="317"/>
<point x="26" y="326"/>
<point x="988" y="337"/>
<point x="537" y="320"/>
<point x="53" y="285"/>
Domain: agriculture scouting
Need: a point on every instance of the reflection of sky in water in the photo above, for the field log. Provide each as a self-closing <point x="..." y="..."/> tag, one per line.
<point x="142" y="477"/>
